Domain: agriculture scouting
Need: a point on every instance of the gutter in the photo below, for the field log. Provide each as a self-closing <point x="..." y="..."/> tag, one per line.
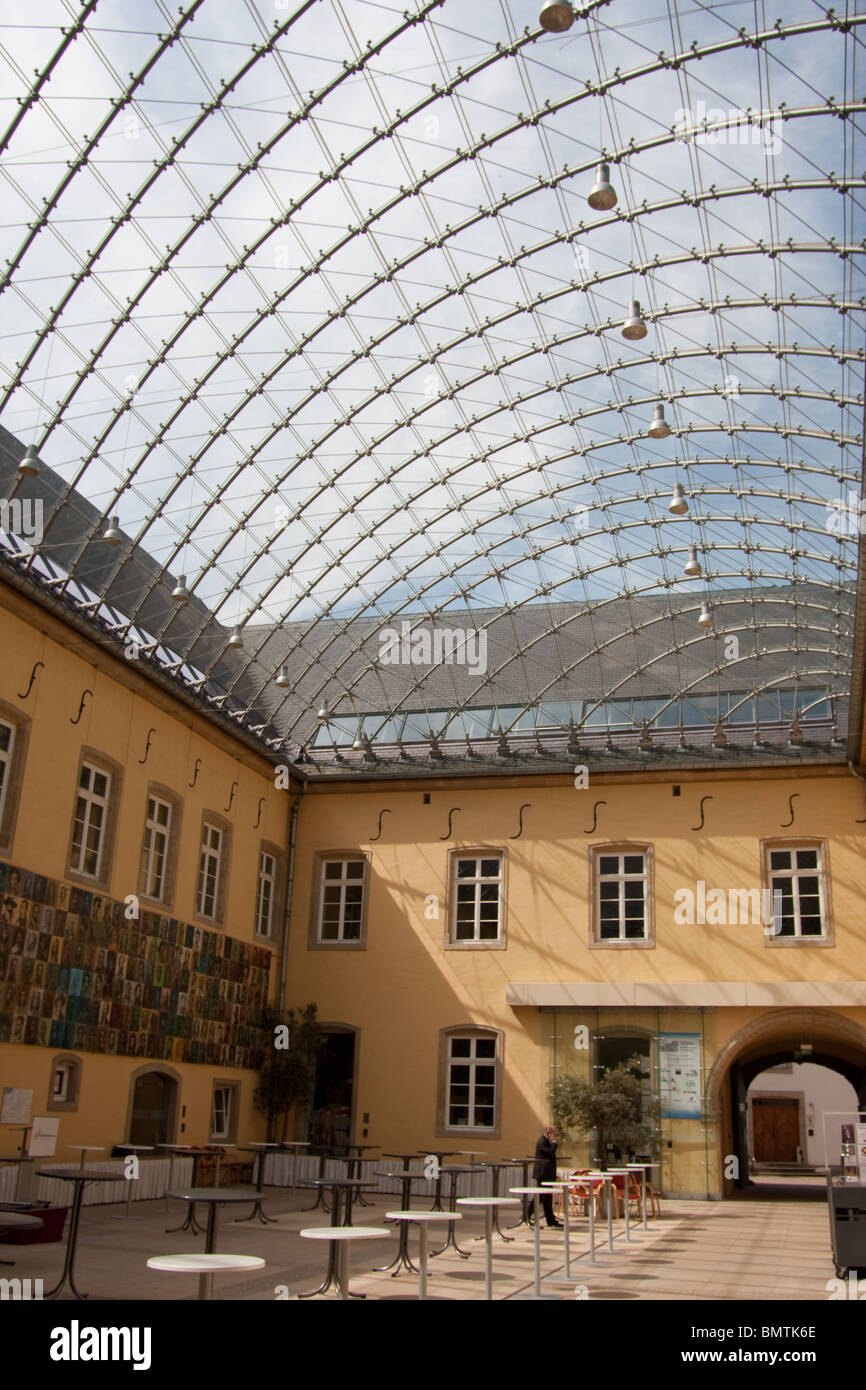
<point x="287" y="912"/>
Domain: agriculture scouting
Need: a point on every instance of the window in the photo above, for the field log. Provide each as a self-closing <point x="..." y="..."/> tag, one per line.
<point x="339" y="905"/>
<point x="91" y="816"/>
<point x="223" y="1112"/>
<point x="469" y="1081"/>
<point x="14" y="732"/>
<point x="266" y="893"/>
<point x="157" y="835"/>
<point x="209" y="870"/>
<point x="477" y="899"/>
<point x="7" y="744"/>
<point x="65" y="1082"/>
<point x="621" y="897"/>
<point x="794" y="875"/>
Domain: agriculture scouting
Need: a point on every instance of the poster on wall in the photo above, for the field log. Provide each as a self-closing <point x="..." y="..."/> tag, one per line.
<point x="43" y="1140"/>
<point x="15" y="1109"/>
<point x="680" y="1075"/>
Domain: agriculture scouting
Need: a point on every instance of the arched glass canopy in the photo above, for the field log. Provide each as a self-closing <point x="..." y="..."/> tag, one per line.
<point x="410" y="386"/>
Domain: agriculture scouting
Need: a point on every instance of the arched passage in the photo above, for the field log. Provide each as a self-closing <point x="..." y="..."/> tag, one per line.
<point x="832" y="1041"/>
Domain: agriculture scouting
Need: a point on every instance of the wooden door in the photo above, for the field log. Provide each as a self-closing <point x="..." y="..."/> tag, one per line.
<point x="776" y="1130"/>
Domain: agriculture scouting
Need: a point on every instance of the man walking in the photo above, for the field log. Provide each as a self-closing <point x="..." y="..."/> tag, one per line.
<point x="544" y="1170"/>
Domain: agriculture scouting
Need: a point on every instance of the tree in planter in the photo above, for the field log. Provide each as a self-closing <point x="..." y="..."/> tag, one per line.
<point x="288" y="1074"/>
<point x="610" y="1106"/>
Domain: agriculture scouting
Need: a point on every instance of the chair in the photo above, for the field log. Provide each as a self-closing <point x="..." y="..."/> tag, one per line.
<point x="580" y="1194"/>
<point x="634" y="1193"/>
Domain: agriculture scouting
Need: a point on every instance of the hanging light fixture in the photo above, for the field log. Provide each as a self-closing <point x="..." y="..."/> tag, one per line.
<point x="180" y="593"/>
<point x="705" y="617"/>
<point x="678" y="506"/>
<point x="659" y="429"/>
<point x="635" y="325"/>
<point x="236" y="640"/>
<point x="323" y="714"/>
<point x="693" y="564"/>
<point x="112" y="535"/>
<point x="30" y="464"/>
<point x="282" y="677"/>
<point x="720" y="738"/>
<point x="555" y="17"/>
<point x="602" y="196"/>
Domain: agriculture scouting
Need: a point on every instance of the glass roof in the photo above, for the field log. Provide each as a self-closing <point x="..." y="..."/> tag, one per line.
<point x="310" y="296"/>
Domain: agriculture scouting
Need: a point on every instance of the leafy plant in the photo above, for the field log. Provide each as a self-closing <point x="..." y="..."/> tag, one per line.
<point x="612" y="1106"/>
<point x="288" y="1074"/>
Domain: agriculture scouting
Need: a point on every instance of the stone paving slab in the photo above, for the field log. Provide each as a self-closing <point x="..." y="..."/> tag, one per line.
<point x="755" y="1250"/>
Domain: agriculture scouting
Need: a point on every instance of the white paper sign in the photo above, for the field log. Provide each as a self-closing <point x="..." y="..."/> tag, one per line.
<point x="43" y="1138"/>
<point x="860" y="1146"/>
<point x="16" y="1106"/>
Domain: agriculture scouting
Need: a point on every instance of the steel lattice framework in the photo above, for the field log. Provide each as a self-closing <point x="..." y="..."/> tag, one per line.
<point x="309" y="297"/>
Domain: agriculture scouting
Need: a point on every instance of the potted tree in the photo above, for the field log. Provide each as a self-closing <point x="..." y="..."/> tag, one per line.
<point x="288" y="1074"/>
<point x="612" y="1108"/>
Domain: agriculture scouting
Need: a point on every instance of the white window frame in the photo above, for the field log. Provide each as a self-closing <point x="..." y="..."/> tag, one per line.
<point x="154" y="830"/>
<point x="473" y="1062"/>
<point x="6" y="756"/>
<point x="477" y="879"/>
<point x="621" y="877"/>
<point x="343" y="882"/>
<point x="209" y="866"/>
<point x="64" y="1070"/>
<point x="267" y="879"/>
<point x="795" y="874"/>
<point x="87" y="800"/>
<point x="226" y="1107"/>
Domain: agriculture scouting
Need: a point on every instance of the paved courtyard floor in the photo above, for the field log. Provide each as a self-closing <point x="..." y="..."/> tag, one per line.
<point x="763" y="1248"/>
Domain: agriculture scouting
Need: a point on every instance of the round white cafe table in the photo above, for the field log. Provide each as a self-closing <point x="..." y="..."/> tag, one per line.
<point x="205" y="1266"/>
<point x="340" y="1236"/>
<point x="132" y="1149"/>
<point x="594" y="1179"/>
<point x="564" y="1185"/>
<point x="85" y="1149"/>
<point x="642" y="1169"/>
<point x="625" y="1174"/>
<point x="423" y="1219"/>
<point x="536" y="1193"/>
<point x="489" y="1205"/>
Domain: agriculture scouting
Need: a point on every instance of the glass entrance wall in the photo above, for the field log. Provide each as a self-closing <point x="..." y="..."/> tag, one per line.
<point x="677" y="1050"/>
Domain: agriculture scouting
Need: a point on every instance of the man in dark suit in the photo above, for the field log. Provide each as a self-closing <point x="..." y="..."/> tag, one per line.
<point x="544" y="1170"/>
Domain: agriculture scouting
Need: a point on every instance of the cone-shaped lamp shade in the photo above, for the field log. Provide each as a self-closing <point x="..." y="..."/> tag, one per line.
<point x="678" y="506"/>
<point x="556" y="17"/>
<point x="30" y="464"/>
<point x="236" y="640"/>
<point x="659" y="429"/>
<point x="634" y="326"/>
<point x="705" y="617"/>
<point x="180" y="593"/>
<point x="323" y="714"/>
<point x="693" y="564"/>
<point x="112" y="535"/>
<point x="602" y="196"/>
<point x="282" y="678"/>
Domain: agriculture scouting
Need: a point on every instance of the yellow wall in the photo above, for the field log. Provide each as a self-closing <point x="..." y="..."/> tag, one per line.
<point x="404" y="987"/>
<point x="117" y="718"/>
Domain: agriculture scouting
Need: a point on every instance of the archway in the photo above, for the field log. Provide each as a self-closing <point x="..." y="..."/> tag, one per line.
<point x="820" y="1036"/>
<point x="153" y="1107"/>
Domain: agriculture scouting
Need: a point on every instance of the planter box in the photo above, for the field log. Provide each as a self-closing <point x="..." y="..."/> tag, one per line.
<point x="53" y="1218"/>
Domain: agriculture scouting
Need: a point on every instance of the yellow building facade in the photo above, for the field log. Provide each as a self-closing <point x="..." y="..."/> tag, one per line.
<point x="450" y="930"/>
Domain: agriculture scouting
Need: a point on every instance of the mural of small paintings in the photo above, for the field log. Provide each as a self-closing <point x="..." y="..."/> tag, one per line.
<point x="75" y="972"/>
